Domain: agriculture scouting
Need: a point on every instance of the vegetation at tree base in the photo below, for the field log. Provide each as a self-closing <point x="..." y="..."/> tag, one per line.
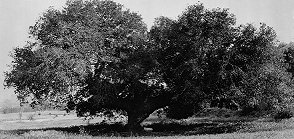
<point x="285" y="114"/>
<point x="96" y="56"/>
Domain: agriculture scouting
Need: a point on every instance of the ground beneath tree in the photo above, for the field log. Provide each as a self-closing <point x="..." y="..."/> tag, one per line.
<point x="154" y="126"/>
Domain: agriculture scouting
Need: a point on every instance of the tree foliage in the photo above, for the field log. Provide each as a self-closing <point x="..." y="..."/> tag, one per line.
<point x="205" y="53"/>
<point x="288" y="51"/>
<point x="92" y="56"/>
<point x="96" y="55"/>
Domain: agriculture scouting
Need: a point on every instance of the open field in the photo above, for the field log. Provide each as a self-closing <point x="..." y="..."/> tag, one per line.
<point x="45" y="119"/>
<point x="58" y="124"/>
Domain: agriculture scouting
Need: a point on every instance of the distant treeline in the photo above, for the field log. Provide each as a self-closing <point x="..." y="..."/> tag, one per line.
<point x="6" y="110"/>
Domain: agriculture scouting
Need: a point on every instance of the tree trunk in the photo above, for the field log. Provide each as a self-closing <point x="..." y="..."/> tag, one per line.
<point x="134" y="121"/>
<point x="142" y="103"/>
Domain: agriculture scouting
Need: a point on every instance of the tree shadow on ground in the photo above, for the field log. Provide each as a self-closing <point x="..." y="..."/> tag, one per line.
<point x="158" y="129"/>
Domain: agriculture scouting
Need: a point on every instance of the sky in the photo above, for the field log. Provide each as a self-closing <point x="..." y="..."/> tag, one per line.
<point x="17" y="15"/>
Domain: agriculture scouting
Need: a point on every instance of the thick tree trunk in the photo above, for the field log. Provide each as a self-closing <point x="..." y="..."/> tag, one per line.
<point x="134" y="124"/>
<point x="134" y="121"/>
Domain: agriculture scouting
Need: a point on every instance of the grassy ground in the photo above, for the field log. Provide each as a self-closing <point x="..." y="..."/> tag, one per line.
<point x="56" y="124"/>
<point x="45" y="119"/>
<point x="285" y="134"/>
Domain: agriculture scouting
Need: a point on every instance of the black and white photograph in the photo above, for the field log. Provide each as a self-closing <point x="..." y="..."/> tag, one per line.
<point x="148" y="69"/>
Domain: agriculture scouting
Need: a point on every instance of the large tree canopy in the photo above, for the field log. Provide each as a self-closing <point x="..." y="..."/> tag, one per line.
<point x="206" y="54"/>
<point x="95" y="55"/>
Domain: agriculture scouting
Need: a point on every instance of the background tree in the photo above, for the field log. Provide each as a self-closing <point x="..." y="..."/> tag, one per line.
<point x="288" y="51"/>
<point x="265" y="84"/>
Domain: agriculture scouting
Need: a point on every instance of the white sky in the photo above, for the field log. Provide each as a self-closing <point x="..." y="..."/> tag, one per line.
<point x="17" y="15"/>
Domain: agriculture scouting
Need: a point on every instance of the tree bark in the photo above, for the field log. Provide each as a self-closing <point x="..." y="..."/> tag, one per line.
<point x="135" y="118"/>
<point x="134" y="123"/>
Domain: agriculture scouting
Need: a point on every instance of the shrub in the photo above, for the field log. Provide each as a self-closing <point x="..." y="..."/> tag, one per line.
<point x="31" y="117"/>
<point x="250" y="110"/>
<point x="283" y="114"/>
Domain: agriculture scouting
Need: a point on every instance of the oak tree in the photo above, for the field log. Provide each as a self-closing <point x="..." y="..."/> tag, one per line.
<point x="94" y="56"/>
